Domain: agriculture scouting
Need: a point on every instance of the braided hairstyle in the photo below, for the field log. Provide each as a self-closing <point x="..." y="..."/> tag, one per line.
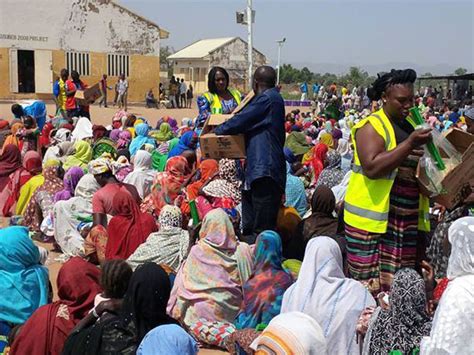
<point x="115" y="277"/>
<point x="384" y="81"/>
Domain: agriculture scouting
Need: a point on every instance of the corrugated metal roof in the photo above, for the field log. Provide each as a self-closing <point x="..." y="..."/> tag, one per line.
<point x="202" y="48"/>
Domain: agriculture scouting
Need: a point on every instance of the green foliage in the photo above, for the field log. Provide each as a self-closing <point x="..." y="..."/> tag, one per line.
<point x="460" y="71"/>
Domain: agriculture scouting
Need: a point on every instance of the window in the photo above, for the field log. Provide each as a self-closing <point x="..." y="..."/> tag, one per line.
<point x="79" y="62"/>
<point x="118" y="64"/>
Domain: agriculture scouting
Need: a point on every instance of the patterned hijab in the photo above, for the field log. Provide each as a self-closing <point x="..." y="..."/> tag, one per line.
<point x="263" y="292"/>
<point x="406" y="322"/>
<point x="228" y="184"/>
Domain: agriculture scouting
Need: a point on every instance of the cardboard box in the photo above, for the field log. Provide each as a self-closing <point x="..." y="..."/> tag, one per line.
<point x="457" y="181"/>
<point x="223" y="146"/>
<point x="89" y="95"/>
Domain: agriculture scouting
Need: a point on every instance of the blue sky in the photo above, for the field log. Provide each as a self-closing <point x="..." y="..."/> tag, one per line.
<point x="436" y="36"/>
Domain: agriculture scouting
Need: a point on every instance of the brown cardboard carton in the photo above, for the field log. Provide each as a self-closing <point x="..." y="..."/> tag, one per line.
<point x="457" y="181"/>
<point x="89" y="95"/>
<point x="223" y="146"/>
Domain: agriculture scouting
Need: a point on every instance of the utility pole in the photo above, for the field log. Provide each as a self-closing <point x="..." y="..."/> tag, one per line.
<point x="250" y="41"/>
<point x="280" y="44"/>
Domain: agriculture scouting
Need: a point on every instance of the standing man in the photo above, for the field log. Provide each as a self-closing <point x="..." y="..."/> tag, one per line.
<point x="122" y="88"/>
<point x="104" y="88"/>
<point x="315" y="91"/>
<point x="304" y="91"/>
<point x="263" y="124"/>
<point x="59" y="91"/>
<point x="172" y="92"/>
<point x="177" y="93"/>
<point x="182" y="93"/>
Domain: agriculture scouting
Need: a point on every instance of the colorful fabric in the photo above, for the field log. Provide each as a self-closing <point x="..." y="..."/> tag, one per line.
<point x="10" y="161"/>
<point x="26" y="192"/>
<point x="186" y="142"/>
<point x="375" y="258"/>
<point x="169" y="246"/>
<point x="100" y="166"/>
<point x="212" y="333"/>
<point x="121" y="168"/>
<point x="141" y="138"/>
<point x="128" y="228"/>
<point x="98" y="132"/>
<point x="402" y="326"/>
<point x="13" y="137"/>
<point x="327" y="139"/>
<point x="243" y="339"/>
<point x="45" y="332"/>
<point x="295" y="195"/>
<point x="82" y="156"/>
<point x="96" y="243"/>
<point x="125" y="137"/>
<point x="324" y="293"/>
<point x="208" y="169"/>
<point x="104" y="146"/>
<point x="318" y="156"/>
<point x="23" y="280"/>
<point x="141" y="176"/>
<point x="70" y="181"/>
<point x="168" y="339"/>
<point x="164" y="133"/>
<point x="292" y="333"/>
<point x="263" y="291"/>
<point x="228" y="184"/>
<point x="297" y="144"/>
<point x="159" y="156"/>
<point x="332" y="174"/>
<point x="213" y="292"/>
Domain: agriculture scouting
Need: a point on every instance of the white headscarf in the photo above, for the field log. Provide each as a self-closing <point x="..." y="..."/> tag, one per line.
<point x="141" y="176"/>
<point x="323" y="292"/>
<point x="295" y="331"/>
<point x="453" y="327"/>
<point x="339" y="191"/>
<point x="343" y="147"/>
<point x="83" y="129"/>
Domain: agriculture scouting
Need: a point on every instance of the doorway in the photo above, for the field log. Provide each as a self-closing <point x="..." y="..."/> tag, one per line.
<point x="26" y="71"/>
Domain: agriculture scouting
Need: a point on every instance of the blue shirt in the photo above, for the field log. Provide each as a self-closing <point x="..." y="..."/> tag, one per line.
<point x="315" y="88"/>
<point x="304" y="88"/>
<point x="37" y="110"/>
<point x="454" y="117"/>
<point x="262" y="122"/>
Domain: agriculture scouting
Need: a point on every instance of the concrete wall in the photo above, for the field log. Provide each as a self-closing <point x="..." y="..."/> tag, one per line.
<point x="197" y="76"/>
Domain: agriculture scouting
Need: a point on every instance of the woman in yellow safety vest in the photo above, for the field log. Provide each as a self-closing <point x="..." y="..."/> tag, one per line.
<point x="384" y="212"/>
<point x="220" y="99"/>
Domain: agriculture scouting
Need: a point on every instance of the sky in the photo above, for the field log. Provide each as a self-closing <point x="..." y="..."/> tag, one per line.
<point x="435" y="36"/>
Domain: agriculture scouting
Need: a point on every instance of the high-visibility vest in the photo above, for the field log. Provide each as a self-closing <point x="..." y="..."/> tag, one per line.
<point x="367" y="201"/>
<point x="215" y="102"/>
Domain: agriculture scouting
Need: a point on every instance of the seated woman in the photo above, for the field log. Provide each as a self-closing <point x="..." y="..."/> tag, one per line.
<point x="188" y="141"/>
<point x="263" y="291"/>
<point x="168" y="339"/>
<point x="81" y="157"/>
<point x="150" y="100"/>
<point x="45" y="332"/>
<point x="295" y="194"/>
<point x="159" y="157"/>
<point x="24" y="282"/>
<point x="70" y="181"/>
<point x="163" y="134"/>
<point x="209" y="283"/>
<point x="128" y="228"/>
<point x="403" y="325"/>
<point x="169" y="246"/>
<point x="323" y="292"/>
<point x="123" y="329"/>
<point x="332" y="174"/>
<point x="10" y="161"/>
<point x="452" y="328"/>
<point x="141" y="138"/>
<point x="142" y="175"/>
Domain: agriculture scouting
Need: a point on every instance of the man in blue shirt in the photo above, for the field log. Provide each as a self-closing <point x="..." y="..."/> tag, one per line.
<point x="262" y="122"/>
<point x="454" y="116"/>
<point x="37" y="110"/>
<point x="304" y="91"/>
<point x="315" y="91"/>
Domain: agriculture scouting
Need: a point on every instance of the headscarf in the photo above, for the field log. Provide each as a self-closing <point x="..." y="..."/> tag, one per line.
<point x="160" y="155"/>
<point x="184" y="144"/>
<point x="163" y="134"/>
<point x="295" y="195"/>
<point x="168" y="339"/>
<point x="128" y="228"/>
<point x="228" y="184"/>
<point x="296" y="142"/>
<point x="98" y="132"/>
<point x="12" y="138"/>
<point x="45" y="332"/>
<point x="169" y="246"/>
<point x="45" y="138"/>
<point x="327" y="139"/>
<point x="324" y="293"/>
<point x="452" y="324"/>
<point x="263" y="292"/>
<point x="141" y="176"/>
<point x="70" y="181"/>
<point x="10" y="161"/>
<point x="332" y="173"/>
<point x="115" y="134"/>
<point x="212" y="276"/>
<point x="292" y="333"/>
<point x="141" y="139"/>
<point x="319" y="153"/>
<point x="343" y="147"/>
<point x="336" y="134"/>
<point x="208" y="168"/>
<point x="23" y="280"/>
<point x="168" y="185"/>
<point x="402" y="326"/>
<point x="289" y="156"/>
<point x="100" y="166"/>
<point x="82" y="130"/>
<point x="82" y="156"/>
<point x="104" y="146"/>
<point x="124" y="139"/>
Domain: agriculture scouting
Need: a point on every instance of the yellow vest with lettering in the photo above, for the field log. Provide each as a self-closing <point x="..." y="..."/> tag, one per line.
<point x="367" y="201"/>
<point x="215" y="102"/>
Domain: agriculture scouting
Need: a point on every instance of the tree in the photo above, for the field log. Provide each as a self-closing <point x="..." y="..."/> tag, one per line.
<point x="427" y="75"/>
<point x="165" y="52"/>
<point x="460" y="71"/>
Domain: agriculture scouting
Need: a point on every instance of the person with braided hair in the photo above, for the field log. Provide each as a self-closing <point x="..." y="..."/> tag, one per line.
<point x="384" y="212"/>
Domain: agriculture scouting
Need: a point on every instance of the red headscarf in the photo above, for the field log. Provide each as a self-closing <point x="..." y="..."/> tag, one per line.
<point x="10" y="160"/>
<point x="208" y="168"/>
<point x="98" y="132"/>
<point x="128" y="228"/>
<point x="44" y="139"/>
<point x="46" y="331"/>
<point x="317" y="161"/>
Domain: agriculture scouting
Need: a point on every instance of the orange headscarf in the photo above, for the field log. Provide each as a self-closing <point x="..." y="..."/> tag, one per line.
<point x="208" y="168"/>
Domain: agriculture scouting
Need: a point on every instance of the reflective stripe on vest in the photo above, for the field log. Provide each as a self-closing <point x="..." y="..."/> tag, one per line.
<point x="358" y="169"/>
<point x="215" y="102"/>
<point x="378" y="216"/>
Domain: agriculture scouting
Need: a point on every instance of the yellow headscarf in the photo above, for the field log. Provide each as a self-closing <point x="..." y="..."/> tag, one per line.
<point x="326" y="138"/>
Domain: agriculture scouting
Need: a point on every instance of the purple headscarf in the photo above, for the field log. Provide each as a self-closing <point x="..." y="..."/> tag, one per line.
<point x="115" y="134"/>
<point x="71" y="179"/>
<point x="124" y="139"/>
<point x="336" y="134"/>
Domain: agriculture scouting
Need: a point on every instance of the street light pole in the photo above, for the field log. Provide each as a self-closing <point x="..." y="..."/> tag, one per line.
<point x="280" y="44"/>
<point x="250" y="41"/>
